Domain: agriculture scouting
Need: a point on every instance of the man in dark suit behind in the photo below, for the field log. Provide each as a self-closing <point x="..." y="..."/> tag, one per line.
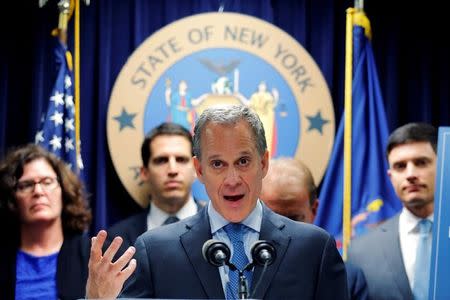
<point x="289" y="190"/>
<point x="168" y="170"/>
<point x="389" y="253"/>
<point x="231" y="159"/>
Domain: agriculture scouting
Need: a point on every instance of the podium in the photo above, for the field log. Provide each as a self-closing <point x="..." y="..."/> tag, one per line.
<point x="440" y="257"/>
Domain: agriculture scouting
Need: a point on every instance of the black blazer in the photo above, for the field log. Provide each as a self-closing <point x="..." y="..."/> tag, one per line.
<point x="71" y="273"/>
<point x="170" y="263"/>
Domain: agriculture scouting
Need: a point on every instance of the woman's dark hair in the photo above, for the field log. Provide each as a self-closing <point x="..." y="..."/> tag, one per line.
<point x="76" y="215"/>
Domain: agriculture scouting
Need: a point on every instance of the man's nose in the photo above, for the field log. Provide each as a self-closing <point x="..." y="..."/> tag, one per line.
<point x="411" y="171"/>
<point x="172" y="166"/>
<point x="232" y="177"/>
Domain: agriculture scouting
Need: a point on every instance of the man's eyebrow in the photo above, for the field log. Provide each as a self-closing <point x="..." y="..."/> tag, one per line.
<point x="412" y="158"/>
<point x="159" y="157"/>
<point x="214" y="156"/>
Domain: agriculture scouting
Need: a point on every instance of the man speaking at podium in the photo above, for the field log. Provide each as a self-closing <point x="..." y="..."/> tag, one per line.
<point x="231" y="159"/>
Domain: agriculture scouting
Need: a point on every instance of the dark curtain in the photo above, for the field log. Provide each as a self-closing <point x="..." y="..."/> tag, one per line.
<point x="409" y="46"/>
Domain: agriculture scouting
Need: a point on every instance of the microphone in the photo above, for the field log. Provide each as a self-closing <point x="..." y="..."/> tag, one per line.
<point x="216" y="253"/>
<point x="263" y="253"/>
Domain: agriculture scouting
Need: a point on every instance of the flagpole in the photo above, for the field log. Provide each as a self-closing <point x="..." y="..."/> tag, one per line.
<point x="347" y="199"/>
<point x="64" y="16"/>
<point x="77" y="84"/>
<point x="348" y="127"/>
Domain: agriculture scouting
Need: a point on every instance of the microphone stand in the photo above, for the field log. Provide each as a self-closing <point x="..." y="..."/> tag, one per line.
<point x="243" y="286"/>
<point x="266" y="257"/>
<point x="243" y="283"/>
<point x="218" y="254"/>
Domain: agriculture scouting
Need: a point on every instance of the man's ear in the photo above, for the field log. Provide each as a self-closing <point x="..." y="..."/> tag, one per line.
<point x="389" y="173"/>
<point x="265" y="163"/>
<point x="198" y="169"/>
<point x="144" y="173"/>
<point x="315" y="207"/>
<point x="389" y="170"/>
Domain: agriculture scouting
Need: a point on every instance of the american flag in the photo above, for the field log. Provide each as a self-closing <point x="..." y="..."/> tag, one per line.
<point x="57" y="133"/>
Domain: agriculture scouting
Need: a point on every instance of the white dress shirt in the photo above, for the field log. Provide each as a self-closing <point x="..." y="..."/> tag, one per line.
<point x="157" y="217"/>
<point x="409" y="239"/>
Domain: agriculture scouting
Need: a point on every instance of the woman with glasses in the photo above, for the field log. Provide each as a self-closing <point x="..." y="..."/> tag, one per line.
<point x="45" y="250"/>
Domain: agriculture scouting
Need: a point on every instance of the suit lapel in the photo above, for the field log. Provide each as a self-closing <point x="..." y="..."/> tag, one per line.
<point x="392" y="252"/>
<point x="272" y="231"/>
<point x="200" y="204"/>
<point x="198" y="232"/>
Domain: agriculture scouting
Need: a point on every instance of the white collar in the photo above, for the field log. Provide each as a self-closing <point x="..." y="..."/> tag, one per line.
<point x="409" y="220"/>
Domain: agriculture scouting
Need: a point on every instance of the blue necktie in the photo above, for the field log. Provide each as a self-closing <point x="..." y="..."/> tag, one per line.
<point x="423" y="257"/>
<point x="235" y="232"/>
<point x="171" y="219"/>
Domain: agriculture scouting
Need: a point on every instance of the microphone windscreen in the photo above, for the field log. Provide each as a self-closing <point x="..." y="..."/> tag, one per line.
<point x="216" y="252"/>
<point x="206" y="247"/>
<point x="263" y="252"/>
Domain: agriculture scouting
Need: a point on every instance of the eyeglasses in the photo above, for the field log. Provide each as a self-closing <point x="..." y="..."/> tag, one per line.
<point x="48" y="184"/>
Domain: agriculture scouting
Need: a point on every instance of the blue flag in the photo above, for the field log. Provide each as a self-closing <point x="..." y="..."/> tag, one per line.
<point x="58" y="128"/>
<point x="373" y="198"/>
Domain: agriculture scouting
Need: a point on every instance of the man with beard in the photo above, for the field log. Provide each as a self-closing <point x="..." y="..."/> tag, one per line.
<point x="395" y="257"/>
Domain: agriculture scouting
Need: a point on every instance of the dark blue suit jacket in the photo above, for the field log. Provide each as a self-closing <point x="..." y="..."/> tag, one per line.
<point x="170" y="262"/>
<point x="356" y="281"/>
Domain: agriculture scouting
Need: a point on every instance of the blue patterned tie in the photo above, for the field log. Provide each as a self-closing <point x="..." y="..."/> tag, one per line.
<point x="170" y="220"/>
<point x="235" y="232"/>
<point x="423" y="257"/>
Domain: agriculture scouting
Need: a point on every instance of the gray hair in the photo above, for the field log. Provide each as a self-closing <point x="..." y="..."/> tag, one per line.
<point x="229" y="115"/>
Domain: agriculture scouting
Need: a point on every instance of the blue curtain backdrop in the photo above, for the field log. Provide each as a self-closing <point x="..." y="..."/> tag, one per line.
<point x="412" y="61"/>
